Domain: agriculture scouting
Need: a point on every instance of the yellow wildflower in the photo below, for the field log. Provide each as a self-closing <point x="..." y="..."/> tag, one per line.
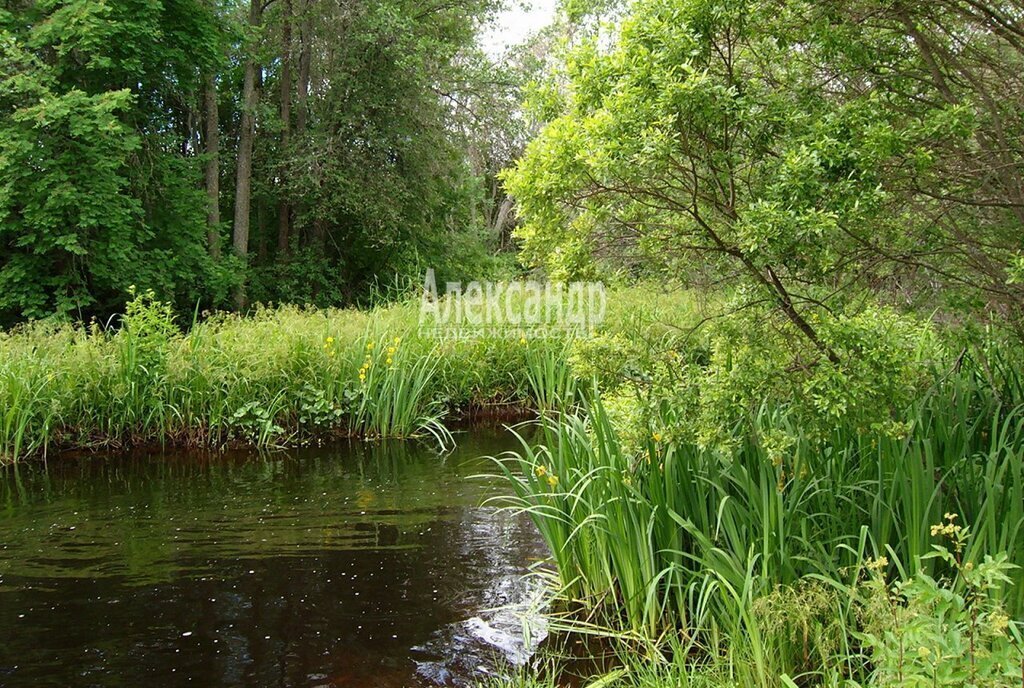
<point x="541" y="471"/>
<point x="522" y="340"/>
<point x="391" y="350"/>
<point x="329" y="340"/>
<point x="552" y="480"/>
<point x="947" y="530"/>
<point x="369" y="346"/>
<point x="656" y="436"/>
<point x="388" y="362"/>
<point x="878" y="564"/>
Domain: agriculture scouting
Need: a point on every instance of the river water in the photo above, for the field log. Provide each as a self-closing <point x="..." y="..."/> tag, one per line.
<point x="360" y="565"/>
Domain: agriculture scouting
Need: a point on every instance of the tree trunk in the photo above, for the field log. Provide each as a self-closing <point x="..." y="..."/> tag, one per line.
<point x="283" y="210"/>
<point x="212" y="136"/>
<point x="302" y="85"/>
<point x="305" y="57"/>
<point x="504" y="210"/>
<point x="243" y="182"/>
<point x="319" y="238"/>
<point x="261" y="213"/>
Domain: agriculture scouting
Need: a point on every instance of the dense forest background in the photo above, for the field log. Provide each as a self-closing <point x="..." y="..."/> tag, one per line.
<point x="819" y="155"/>
<point x="224" y="153"/>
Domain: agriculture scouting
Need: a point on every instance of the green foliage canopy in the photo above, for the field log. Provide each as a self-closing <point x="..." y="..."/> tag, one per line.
<point x="793" y="148"/>
<point x="95" y="98"/>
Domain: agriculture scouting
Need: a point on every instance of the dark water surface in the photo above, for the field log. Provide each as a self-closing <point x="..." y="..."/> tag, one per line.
<point x="364" y="565"/>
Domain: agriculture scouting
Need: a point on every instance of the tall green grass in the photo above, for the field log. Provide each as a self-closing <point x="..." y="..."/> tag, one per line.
<point x="275" y="376"/>
<point x="553" y="383"/>
<point x="280" y="376"/>
<point x="393" y="399"/>
<point x="745" y="552"/>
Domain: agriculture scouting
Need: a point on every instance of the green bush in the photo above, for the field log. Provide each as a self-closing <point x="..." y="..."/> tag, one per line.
<point x="953" y="631"/>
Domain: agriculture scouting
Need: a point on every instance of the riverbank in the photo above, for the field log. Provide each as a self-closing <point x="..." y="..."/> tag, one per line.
<point x="876" y="547"/>
<point x="285" y="376"/>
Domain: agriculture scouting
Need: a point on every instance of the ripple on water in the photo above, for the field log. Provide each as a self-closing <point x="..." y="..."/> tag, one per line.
<point x="364" y="565"/>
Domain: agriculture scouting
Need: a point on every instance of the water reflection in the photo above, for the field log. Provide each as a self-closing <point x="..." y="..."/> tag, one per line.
<point x="367" y="565"/>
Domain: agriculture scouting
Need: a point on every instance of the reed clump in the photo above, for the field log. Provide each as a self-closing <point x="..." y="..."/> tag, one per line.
<point x="753" y="557"/>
